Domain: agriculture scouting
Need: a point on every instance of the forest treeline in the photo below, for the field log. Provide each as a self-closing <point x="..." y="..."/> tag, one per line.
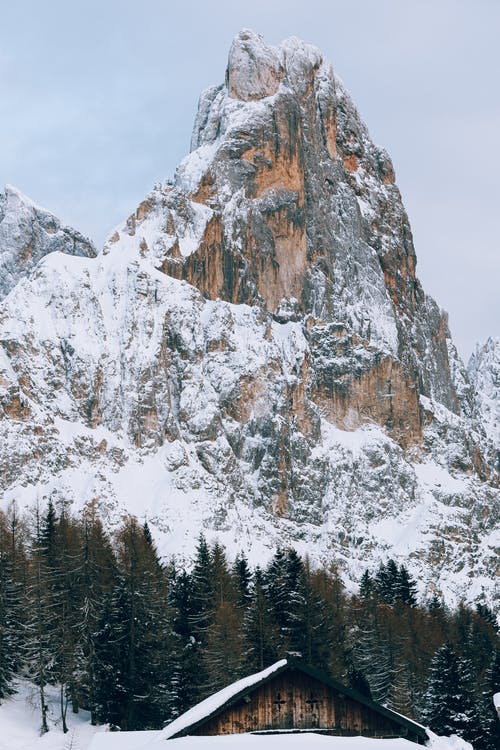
<point x="136" y="642"/>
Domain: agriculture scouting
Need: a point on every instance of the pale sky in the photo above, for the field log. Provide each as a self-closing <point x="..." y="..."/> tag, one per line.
<point x="97" y="101"/>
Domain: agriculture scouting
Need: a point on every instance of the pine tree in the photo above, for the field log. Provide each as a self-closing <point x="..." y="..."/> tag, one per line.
<point x="39" y="653"/>
<point x="97" y="572"/>
<point x="187" y="669"/>
<point x="223" y="655"/>
<point x="285" y="592"/>
<point x="449" y="703"/>
<point x="242" y="576"/>
<point x="405" y="588"/>
<point x="9" y="615"/>
<point x="140" y="620"/>
<point x="488" y="734"/>
<point x="261" y="632"/>
<point x="203" y="593"/>
<point x="366" y="586"/>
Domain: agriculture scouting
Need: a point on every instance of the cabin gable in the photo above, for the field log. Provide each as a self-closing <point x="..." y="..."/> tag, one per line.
<point x="296" y="698"/>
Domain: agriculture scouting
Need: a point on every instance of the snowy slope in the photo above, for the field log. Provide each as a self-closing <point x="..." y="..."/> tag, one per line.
<point x="251" y="354"/>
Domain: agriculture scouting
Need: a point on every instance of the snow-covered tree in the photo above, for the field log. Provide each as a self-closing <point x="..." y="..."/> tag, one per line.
<point x="449" y="703"/>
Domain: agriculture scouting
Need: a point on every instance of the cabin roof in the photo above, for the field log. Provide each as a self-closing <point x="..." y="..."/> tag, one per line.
<point x="228" y="696"/>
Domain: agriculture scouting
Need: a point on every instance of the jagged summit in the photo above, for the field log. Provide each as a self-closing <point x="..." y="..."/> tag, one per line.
<point x="253" y="354"/>
<point x="27" y="233"/>
<point x="254" y="69"/>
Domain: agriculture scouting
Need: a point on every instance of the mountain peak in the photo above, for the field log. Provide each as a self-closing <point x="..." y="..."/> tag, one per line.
<point x="254" y="70"/>
<point x="28" y="232"/>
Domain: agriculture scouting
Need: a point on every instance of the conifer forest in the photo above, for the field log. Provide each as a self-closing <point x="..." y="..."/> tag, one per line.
<point x="137" y="642"/>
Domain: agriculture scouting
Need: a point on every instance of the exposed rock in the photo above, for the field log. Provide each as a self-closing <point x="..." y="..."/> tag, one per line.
<point x="253" y="69"/>
<point x="484" y="370"/>
<point x="27" y="234"/>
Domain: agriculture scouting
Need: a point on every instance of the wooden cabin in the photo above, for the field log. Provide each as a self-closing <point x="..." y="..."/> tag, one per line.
<point x="290" y="696"/>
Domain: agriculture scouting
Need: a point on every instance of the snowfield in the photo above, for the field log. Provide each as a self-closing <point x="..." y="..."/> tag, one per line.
<point x="269" y="742"/>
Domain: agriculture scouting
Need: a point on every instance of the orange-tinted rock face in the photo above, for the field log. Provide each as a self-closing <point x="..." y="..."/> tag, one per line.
<point x="354" y="384"/>
<point x="383" y="395"/>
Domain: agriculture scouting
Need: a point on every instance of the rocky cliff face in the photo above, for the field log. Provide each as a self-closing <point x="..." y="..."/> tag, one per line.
<point x="27" y="234"/>
<point x="252" y="353"/>
<point x="484" y="371"/>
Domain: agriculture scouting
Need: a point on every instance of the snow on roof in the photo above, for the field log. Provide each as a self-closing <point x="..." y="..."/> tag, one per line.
<point x="217" y="700"/>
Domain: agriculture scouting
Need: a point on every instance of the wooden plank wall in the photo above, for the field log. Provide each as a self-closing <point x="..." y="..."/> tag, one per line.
<point x="294" y="700"/>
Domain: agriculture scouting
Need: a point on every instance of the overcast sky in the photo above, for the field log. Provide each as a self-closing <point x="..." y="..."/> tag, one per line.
<point x="97" y="101"/>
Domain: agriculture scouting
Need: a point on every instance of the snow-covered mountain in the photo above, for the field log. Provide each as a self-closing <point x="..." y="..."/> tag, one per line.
<point x="484" y="371"/>
<point x="27" y="234"/>
<point x="252" y="353"/>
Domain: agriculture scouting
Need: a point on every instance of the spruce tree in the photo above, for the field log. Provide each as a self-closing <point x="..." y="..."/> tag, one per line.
<point x="187" y="669"/>
<point x="335" y="628"/>
<point x="203" y="593"/>
<point x="386" y="581"/>
<point x="373" y="651"/>
<point x="65" y="593"/>
<point x="285" y="592"/>
<point x="320" y="631"/>
<point x="140" y="619"/>
<point x="39" y="653"/>
<point x="97" y="578"/>
<point x="223" y="655"/>
<point x="9" y="615"/>
<point x="261" y="631"/>
<point x="242" y="576"/>
<point x="449" y="703"/>
<point x="366" y="586"/>
<point x="488" y="735"/>
<point x="405" y="588"/>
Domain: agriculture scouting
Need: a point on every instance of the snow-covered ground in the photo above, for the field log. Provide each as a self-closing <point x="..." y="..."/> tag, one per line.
<point x="302" y="741"/>
<point x="20" y="723"/>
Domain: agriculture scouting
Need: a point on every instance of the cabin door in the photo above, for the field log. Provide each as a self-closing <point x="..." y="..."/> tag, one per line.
<point x="282" y="710"/>
<point x="313" y="707"/>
